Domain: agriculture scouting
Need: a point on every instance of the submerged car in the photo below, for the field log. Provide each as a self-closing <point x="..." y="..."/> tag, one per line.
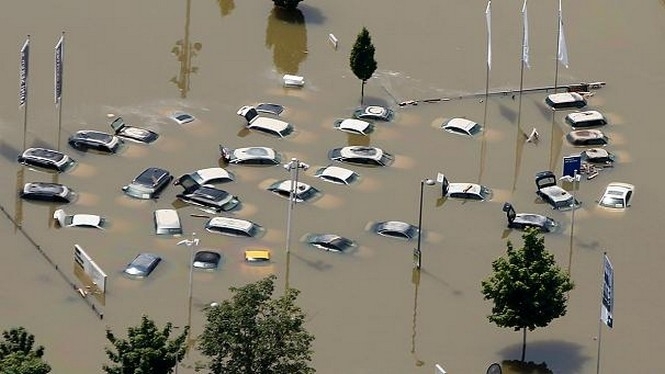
<point x="354" y="126"/>
<point x="266" y="125"/>
<point x="257" y="255"/>
<point x="462" y="126"/>
<point x="206" y="260"/>
<point x="167" y="222"/>
<point x="374" y="112"/>
<point x="463" y="190"/>
<point x="598" y="156"/>
<point x="232" y="227"/>
<point x="585" y="138"/>
<point x="361" y="155"/>
<point x="182" y="118"/>
<point x="565" y="100"/>
<point x="589" y="118"/>
<point x="396" y="229"/>
<point x="270" y="108"/>
<point x="78" y="220"/>
<point x="250" y="156"/>
<point x="337" y="175"/>
<point x="46" y="191"/>
<point x="302" y="191"/>
<point x="209" y="198"/>
<point x="617" y="195"/>
<point x="45" y="158"/>
<point x="523" y="221"/>
<point x="552" y="194"/>
<point x="84" y="140"/>
<point x="142" y="265"/>
<point x="330" y="242"/>
<point x="206" y="176"/>
<point x="149" y="184"/>
<point x="133" y="133"/>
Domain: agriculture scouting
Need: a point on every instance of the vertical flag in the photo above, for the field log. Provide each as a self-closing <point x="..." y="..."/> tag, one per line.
<point x="58" y="68"/>
<point x="608" y="293"/>
<point x="23" y="75"/>
<point x="562" y="52"/>
<point x="488" y="16"/>
<point x="525" y="37"/>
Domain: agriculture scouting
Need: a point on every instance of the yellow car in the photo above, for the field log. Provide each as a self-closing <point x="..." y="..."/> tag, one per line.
<point x="257" y="255"/>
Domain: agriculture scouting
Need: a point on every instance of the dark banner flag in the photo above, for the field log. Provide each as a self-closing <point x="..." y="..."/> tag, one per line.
<point x="23" y="76"/>
<point x="58" y="68"/>
<point x="608" y="293"/>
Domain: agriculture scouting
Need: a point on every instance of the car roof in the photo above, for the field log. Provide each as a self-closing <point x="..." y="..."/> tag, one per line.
<point x="167" y="218"/>
<point x="269" y="124"/>
<point x="565" y="97"/>
<point x="354" y="124"/>
<point x="285" y="185"/>
<point x="235" y="223"/>
<point x="620" y="187"/>
<point x="207" y="256"/>
<point x="214" y="173"/>
<point x="336" y="172"/>
<point x="257" y="254"/>
<point x="588" y="115"/>
<point x="254" y="152"/>
<point x="464" y="187"/>
<point x="586" y="134"/>
<point x="398" y="226"/>
<point x="55" y="188"/>
<point x="361" y="151"/>
<point x="462" y="123"/>
<point x="45" y="153"/>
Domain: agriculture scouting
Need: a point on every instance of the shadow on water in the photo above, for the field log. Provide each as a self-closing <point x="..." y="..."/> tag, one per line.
<point x="508" y="113"/>
<point x="286" y="34"/>
<point x="454" y="291"/>
<point x="8" y="151"/>
<point x="559" y="356"/>
<point x="313" y="15"/>
<point x="318" y="264"/>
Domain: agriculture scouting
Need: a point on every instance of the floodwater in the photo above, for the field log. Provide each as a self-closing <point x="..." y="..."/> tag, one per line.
<point x="369" y="313"/>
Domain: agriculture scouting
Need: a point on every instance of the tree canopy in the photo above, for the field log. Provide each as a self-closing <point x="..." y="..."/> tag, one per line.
<point x="362" y="60"/>
<point x="254" y="333"/>
<point x="528" y="288"/>
<point x="286" y="4"/>
<point x="147" y="349"/>
<point x="18" y="354"/>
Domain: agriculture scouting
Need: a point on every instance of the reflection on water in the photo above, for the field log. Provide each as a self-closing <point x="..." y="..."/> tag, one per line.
<point x="185" y="50"/>
<point x="286" y="34"/>
<point x="226" y="6"/>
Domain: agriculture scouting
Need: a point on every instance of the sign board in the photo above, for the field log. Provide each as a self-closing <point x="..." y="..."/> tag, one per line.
<point x="90" y="268"/>
<point x="571" y="164"/>
<point x="439" y="370"/>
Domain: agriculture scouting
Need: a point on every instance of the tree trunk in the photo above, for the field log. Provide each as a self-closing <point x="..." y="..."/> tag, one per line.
<point x="362" y="92"/>
<point x="523" y="343"/>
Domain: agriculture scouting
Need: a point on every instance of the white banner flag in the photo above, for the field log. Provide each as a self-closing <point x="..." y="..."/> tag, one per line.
<point x="525" y="37"/>
<point x="23" y="75"/>
<point x="607" y="304"/>
<point x="562" y="52"/>
<point x="59" y="51"/>
<point x="488" y="16"/>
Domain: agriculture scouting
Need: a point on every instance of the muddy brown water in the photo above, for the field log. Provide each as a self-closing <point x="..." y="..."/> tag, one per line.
<point x="145" y="60"/>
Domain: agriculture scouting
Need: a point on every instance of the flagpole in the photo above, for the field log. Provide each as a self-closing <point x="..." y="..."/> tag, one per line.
<point x="556" y="82"/>
<point x="524" y="60"/>
<point x="483" y="146"/>
<point x="59" y="68"/>
<point x="23" y="89"/>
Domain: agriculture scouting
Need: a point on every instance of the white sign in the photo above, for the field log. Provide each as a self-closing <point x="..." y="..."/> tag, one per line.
<point x="90" y="268"/>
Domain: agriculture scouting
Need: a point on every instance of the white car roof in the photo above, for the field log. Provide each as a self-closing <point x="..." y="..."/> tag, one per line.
<point x="556" y="193"/>
<point x="462" y="123"/>
<point x="565" y="97"/>
<point x="362" y="151"/>
<point x="230" y="222"/>
<point x="167" y="218"/>
<point x="213" y="173"/>
<point x="269" y="123"/>
<point x="254" y="152"/>
<point x="619" y="188"/>
<point x="588" y="115"/>
<point x="285" y="185"/>
<point x="336" y="172"/>
<point x="354" y="124"/>
<point x="464" y="187"/>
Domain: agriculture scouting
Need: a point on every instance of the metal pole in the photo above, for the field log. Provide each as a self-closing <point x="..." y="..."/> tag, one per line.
<point x="420" y="223"/>
<point x="292" y="167"/>
<point x="572" y="223"/>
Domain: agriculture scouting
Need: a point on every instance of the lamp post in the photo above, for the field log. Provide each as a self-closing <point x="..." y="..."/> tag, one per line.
<point x="293" y="167"/>
<point x="191" y="243"/>
<point x="418" y="252"/>
<point x="576" y="180"/>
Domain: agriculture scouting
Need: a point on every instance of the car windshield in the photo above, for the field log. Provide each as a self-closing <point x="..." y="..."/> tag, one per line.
<point x="612" y="202"/>
<point x="149" y="177"/>
<point x="475" y="129"/>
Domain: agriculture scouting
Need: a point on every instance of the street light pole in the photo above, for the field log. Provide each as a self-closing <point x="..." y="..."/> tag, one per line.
<point x="418" y="253"/>
<point x="293" y="167"/>
<point x="191" y="243"/>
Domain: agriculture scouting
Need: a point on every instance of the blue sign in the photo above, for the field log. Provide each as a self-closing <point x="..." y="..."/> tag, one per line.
<point x="571" y="164"/>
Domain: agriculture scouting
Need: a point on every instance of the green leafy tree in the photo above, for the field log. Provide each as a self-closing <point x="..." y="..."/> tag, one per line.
<point x="147" y="350"/>
<point x="362" y="60"/>
<point x="286" y="4"/>
<point x="528" y="288"/>
<point x="254" y="333"/>
<point x="18" y="354"/>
